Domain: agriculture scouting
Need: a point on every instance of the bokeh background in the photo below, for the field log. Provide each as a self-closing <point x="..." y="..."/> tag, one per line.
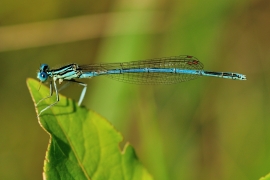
<point x="208" y="128"/>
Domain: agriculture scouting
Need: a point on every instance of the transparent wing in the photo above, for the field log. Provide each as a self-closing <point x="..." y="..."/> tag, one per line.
<point x="178" y="62"/>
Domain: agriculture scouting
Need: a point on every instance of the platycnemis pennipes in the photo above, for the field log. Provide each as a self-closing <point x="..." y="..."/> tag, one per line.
<point x="166" y="70"/>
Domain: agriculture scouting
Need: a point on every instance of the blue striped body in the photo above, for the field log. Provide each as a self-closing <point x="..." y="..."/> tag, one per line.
<point x="155" y="71"/>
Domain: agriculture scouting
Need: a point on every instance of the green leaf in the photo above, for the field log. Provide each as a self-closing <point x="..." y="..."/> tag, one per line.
<point x="267" y="177"/>
<point x="83" y="145"/>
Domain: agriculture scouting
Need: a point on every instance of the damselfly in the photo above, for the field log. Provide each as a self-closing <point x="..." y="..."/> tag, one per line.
<point x="166" y="70"/>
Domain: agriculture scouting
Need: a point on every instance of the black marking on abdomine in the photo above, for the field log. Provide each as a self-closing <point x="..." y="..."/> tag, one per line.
<point x="214" y="73"/>
<point x="227" y="74"/>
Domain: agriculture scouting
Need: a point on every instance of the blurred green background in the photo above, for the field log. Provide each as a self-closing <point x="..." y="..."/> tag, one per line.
<point x="208" y="128"/>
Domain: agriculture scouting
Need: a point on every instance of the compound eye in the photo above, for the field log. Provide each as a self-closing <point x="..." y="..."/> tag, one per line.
<point x="43" y="67"/>
<point x="42" y="76"/>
